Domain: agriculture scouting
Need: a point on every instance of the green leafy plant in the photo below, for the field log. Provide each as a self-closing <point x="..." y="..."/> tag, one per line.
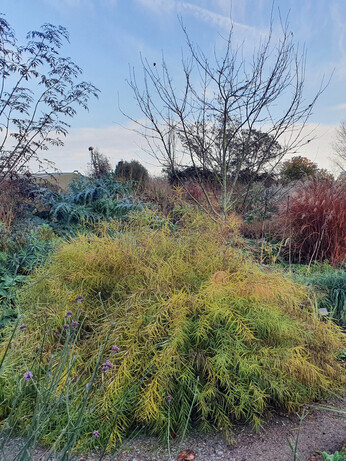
<point x="17" y="262"/>
<point x="182" y="304"/>
<point x="132" y="171"/>
<point x="330" y="287"/>
<point x="342" y="355"/>
<point x="337" y="456"/>
<point x="297" y="168"/>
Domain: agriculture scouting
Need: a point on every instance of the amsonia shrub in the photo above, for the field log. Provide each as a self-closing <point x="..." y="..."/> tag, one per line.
<point x="160" y="319"/>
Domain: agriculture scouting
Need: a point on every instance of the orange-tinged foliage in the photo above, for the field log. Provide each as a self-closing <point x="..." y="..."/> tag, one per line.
<point x="187" y="311"/>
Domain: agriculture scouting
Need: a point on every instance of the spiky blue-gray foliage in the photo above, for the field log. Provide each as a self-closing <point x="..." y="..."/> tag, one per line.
<point x="88" y="200"/>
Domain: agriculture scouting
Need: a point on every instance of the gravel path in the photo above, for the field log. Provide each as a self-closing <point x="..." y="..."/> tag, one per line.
<point x="321" y="431"/>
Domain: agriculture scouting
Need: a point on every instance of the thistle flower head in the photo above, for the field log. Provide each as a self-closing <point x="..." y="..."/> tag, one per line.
<point x="66" y="326"/>
<point x="115" y="348"/>
<point x="79" y="299"/>
<point x="74" y="324"/>
<point x="23" y="326"/>
<point x="28" y="375"/>
<point x="68" y="314"/>
<point x="96" y="434"/>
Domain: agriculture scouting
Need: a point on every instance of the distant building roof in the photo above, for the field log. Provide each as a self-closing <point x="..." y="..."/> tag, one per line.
<point x="62" y="180"/>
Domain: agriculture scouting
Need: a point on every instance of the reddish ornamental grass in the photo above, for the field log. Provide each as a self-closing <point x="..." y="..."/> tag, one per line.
<point x="314" y="219"/>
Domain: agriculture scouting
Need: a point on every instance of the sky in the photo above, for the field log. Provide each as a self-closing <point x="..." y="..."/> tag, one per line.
<point x="109" y="37"/>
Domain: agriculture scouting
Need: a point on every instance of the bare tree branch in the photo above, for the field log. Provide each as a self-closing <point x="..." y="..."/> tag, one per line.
<point x="340" y="148"/>
<point x="231" y="116"/>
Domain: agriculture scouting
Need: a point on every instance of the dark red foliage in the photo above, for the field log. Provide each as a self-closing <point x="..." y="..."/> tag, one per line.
<point x="16" y="197"/>
<point x="313" y="221"/>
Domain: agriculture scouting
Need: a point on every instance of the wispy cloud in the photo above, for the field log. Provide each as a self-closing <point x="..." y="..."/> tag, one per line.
<point x="158" y="6"/>
<point x="85" y="4"/>
<point x="109" y="3"/>
<point x="339" y="106"/>
<point x="116" y="142"/>
<point x="71" y="3"/>
<point x="213" y="19"/>
<point x="337" y="13"/>
<point x="122" y="143"/>
<point x="320" y="149"/>
<point x="210" y="17"/>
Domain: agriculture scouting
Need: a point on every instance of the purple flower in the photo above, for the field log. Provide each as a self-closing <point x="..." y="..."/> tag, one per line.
<point x="68" y="314"/>
<point x="96" y="434"/>
<point x="169" y="399"/>
<point x="89" y="384"/>
<point x="66" y="327"/>
<point x="23" y="326"/>
<point x="74" y="324"/>
<point x="79" y="299"/>
<point x="115" y="348"/>
<point x="57" y="333"/>
<point x="28" y="375"/>
<point x="106" y="366"/>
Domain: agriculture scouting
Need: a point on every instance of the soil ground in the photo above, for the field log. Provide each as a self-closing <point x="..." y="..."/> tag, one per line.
<point x="321" y="431"/>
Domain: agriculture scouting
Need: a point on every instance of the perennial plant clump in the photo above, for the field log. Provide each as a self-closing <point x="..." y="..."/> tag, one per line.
<point x="313" y="221"/>
<point x="176" y="326"/>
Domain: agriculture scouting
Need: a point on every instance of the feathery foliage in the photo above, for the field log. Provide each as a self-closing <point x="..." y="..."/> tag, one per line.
<point x="193" y="319"/>
<point x="22" y="255"/>
<point x="314" y="221"/>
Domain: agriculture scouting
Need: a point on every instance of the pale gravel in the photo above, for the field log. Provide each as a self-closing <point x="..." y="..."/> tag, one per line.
<point x="321" y="431"/>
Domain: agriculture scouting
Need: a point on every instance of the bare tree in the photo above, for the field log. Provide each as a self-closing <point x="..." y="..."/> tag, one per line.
<point x="99" y="164"/>
<point x="39" y="90"/>
<point x="340" y="148"/>
<point x="211" y="121"/>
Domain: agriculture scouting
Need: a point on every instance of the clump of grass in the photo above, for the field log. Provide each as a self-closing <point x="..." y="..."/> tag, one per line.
<point x="176" y="305"/>
<point x="314" y="219"/>
<point x="330" y="287"/>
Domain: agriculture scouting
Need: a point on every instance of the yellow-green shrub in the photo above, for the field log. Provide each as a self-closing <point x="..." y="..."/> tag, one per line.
<point x="179" y="305"/>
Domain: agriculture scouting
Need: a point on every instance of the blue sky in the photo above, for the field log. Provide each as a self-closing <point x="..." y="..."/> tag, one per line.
<point x="108" y="36"/>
